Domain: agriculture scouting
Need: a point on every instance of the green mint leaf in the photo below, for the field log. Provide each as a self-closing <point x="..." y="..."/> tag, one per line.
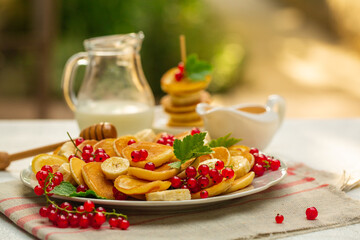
<point x="191" y="146"/>
<point x="196" y="70"/>
<point x="88" y="194"/>
<point x="175" y="165"/>
<point x="224" y="141"/>
<point x="64" y="189"/>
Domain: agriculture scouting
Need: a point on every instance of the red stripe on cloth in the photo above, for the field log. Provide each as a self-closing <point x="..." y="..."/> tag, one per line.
<point x="290" y="184"/>
<point x="11" y="210"/>
<point x="234" y="205"/>
<point x="21" y="222"/>
<point x="35" y="230"/>
<point x="12" y="198"/>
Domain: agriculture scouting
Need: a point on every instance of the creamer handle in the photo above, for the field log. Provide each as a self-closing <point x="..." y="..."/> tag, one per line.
<point x="202" y="108"/>
<point x="276" y="100"/>
<point x="68" y="77"/>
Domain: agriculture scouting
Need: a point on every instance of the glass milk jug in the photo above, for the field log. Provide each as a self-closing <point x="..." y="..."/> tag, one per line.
<point x="114" y="88"/>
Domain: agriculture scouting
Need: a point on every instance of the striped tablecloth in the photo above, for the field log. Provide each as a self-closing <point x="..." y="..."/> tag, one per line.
<point x="244" y="218"/>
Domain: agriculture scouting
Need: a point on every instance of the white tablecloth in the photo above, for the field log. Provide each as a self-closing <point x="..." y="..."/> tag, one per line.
<point x="325" y="144"/>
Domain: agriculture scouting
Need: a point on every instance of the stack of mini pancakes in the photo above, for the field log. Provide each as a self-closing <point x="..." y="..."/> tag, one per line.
<point x="182" y="98"/>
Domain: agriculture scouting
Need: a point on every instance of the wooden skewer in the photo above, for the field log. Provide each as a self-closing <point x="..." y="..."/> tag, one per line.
<point x="97" y="131"/>
<point x="183" y="48"/>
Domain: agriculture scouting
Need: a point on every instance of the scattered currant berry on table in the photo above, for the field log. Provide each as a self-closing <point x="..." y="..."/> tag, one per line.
<point x="219" y="165"/>
<point x="279" y="218"/>
<point x="195" y="131"/>
<point x="78" y="141"/>
<point x="131" y="141"/>
<point x="150" y="166"/>
<point x="258" y="170"/>
<point x="190" y="172"/>
<point x="204" y="194"/>
<point x="311" y="213"/>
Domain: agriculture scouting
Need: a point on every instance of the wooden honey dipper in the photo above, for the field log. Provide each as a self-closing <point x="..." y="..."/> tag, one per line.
<point x="97" y="131"/>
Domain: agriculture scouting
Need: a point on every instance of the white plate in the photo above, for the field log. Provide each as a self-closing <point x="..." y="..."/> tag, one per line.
<point x="259" y="184"/>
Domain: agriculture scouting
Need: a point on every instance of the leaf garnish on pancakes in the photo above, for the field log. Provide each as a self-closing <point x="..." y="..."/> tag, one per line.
<point x="191" y="146"/>
<point x="195" y="69"/>
<point x="68" y="190"/>
<point x="224" y="141"/>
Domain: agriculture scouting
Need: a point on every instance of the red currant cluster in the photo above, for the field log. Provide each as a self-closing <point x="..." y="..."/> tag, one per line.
<point x="83" y="216"/>
<point x="88" y="154"/>
<point x="166" y="139"/>
<point x="139" y="155"/>
<point x="196" y="183"/>
<point x="43" y="176"/>
<point x="180" y="73"/>
<point x="263" y="162"/>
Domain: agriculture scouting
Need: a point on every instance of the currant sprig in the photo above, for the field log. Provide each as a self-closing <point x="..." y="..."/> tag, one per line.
<point x="65" y="215"/>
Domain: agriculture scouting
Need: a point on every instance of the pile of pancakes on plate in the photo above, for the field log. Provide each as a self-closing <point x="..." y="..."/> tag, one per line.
<point x="182" y="98"/>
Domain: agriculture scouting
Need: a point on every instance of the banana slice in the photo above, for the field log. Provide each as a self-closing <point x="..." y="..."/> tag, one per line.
<point x="114" y="167"/>
<point x="66" y="149"/>
<point x="241" y="165"/>
<point x="169" y="195"/>
<point x="65" y="170"/>
<point x="146" y="135"/>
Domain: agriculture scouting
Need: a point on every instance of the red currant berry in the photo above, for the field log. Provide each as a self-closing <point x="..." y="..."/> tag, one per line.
<point x="56" y="180"/>
<point x="74" y="221"/>
<point x="113" y="222"/>
<point x="195" y="131"/>
<point x="275" y="164"/>
<point x="131" y="141"/>
<point x="178" y="76"/>
<point x="41" y="176"/>
<point x="88" y="147"/>
<point x="43" y="212"/>
<point x="124" y="224"/>
<point x="135" y="155"/>
<point x="81" y="210"/>
<point x="279" y="218"/>
<point x="86" y="154"/>
<point x="181" y="67"/>
<point x="100" y="209"/>
<point x="191" y="182"/>
<point x="227" y="172"/>
<point x="195" y="189"/>
<point x="62" y="221"/>
<point x="203" y="182"/>
<point x="161" y="141"/>
<point x="51" y="207"/>
<point x="254" y="150"/>
<point x="219" y="165"/>
<point x="38" y="190"/>
<point x="120" y="196"/>
<point x="78" y="141"/>
<point x="99" y="150"/>
<point x="100" y="157"/>
<point x="84" y="221"/>
<point x="67" y="206"/>
<point x="143" y="154"/>
<point x="150" y="166"/>
<point x="175" y="182"/>
<point x="71" y="156"/>
<point x="53" y="215"/>
<point x="261" y="159"/>
<point x="59" y="175"/>
<point x="204" y="194"/>
<point x="311" y="213"/>
<point x="184" y="186"/>
<point x="81" y="188"/>
<point x="203" y="169"/>
<point x="90" y="216"/>
<point x="47" y="168"/>
<point x="213" y="173"/>
<point x="258" y="170"/>
<point x="89" y="206"/>
<point x="98" y="219"/>
<point x="190" y="172"/>
<point x="106" y="156"/>
<point x="218" y="178"/>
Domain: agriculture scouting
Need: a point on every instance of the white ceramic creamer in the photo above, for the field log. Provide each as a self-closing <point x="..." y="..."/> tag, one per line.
<point x="254" y="124"/>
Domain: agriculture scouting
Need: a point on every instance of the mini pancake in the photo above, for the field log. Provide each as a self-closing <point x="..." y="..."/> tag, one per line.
<point x="237" y="150"/>
<point x="76" y="166"/>
<point x="161" y="173"/>
<point x="216" y="189"/>
<point x="131" y="185"/>
<point x="96" y="181"/>
<point x="170" y="85"/>
<point x="241" y="183"/>
<point x="184" y="117"/>
<point x="168" y="105"/>
<point x="157" y="153"/>
<point x="221" y="153"/>
<point x="185" y="99"/>
<point x="197" y="123"/>
<point x="108" y="145"/>
<point x="83" y="144"/>
<point x="122" y="142"/>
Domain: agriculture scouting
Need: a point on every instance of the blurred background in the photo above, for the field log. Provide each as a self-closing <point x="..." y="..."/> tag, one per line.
<point x="308" y="51"/>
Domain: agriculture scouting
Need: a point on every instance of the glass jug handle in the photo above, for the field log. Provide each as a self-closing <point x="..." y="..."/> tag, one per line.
<point x="71" y="66"/>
